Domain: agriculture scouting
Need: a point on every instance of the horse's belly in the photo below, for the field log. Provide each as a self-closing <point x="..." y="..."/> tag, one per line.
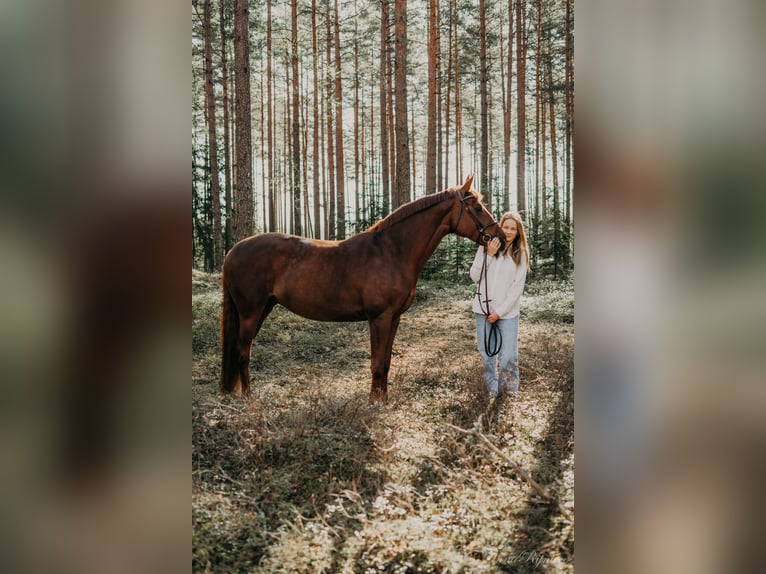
<point x="324" y="288"/>
<point x="324" y="311"/>
<point x="320" y="300"/>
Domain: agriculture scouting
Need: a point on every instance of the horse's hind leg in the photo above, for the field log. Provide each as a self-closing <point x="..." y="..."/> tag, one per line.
<point x="248" y="329"/>
<point x="382" y="333"/>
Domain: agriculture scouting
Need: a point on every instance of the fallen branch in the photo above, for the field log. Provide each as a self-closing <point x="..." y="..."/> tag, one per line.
<point x="515" y="467"/>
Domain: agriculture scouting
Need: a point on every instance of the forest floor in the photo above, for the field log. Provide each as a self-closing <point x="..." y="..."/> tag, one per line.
<point x="307" y="477"/>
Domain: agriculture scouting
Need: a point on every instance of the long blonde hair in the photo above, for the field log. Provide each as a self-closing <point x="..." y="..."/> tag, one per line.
<point x="519" y="243"/>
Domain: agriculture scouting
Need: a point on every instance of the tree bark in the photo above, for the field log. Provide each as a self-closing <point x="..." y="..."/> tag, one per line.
<point x="447" y="108"/>
<point x="296" y="128"/>
<point x="568" y="75"/>
<point x="315" y="131"/>
<point x="244" y="189"/>
<point x="554" y="166"/>
<point x="357" y="201"/>
<point x="385" y="15"/>
<point x="331" y="226"/>
<point x="341" y="231"/>
<point x="400" y="79"/>
<point x="215" y="186"/>
<point x="264" y="195"/>
<point x="433" y="74"/>
<point x="227" y="243"/>
<point x="458" y="104"/>
<point x="484" y="154"/>
<point x="521" y="116"/>
<point x="270" y="122"/>
<point x="507" y="103"/>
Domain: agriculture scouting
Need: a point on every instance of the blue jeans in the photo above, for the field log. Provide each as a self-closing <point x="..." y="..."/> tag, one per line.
<point x="500" y="372"/>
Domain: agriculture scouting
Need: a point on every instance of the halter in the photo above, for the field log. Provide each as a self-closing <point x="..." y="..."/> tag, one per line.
<point x="483" y="235"/>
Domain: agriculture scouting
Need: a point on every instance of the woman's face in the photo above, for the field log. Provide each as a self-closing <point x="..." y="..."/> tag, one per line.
<point x="510" y="229"/>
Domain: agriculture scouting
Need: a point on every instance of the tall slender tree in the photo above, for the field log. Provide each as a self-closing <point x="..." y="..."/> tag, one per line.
<point x="226" y="137"/>
<point x="331" y="220"/>
<point x="244" y="189"/>
<point x="507" y="103"/>
<point x="447" y="109"/>
<point x="316" y="127"/>
<point x="433" y="78"/>
<point x="270" y="122"/>
<point x="554" y="165"/>
<point x="215" y="186"/>
<point x="569" y="93"/>
<point x="385" y="15"/>
<point x="296" y="143"/>
<point x="484" y="170"/>
<point x="458" y="100"/>
<point x="521" y="109"/>
<point x="400" y="80"/>
<point x="341" y="230"/>
<point x="358" y="199"/>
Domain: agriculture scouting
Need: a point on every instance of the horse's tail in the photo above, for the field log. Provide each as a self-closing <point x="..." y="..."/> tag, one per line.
<point x="229" y="338"/>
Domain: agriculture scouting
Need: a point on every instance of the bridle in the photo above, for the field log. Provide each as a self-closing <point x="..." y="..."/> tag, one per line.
<point x="483" y="235"/>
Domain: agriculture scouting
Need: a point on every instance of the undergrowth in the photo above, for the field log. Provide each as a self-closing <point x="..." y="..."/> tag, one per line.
<point x="307" y="477"/>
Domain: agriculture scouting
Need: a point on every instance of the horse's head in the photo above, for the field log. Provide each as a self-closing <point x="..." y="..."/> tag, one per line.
<point x="478" y="225"/>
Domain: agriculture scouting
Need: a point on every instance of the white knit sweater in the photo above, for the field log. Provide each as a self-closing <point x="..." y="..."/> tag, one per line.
<point x="505" y="282"/>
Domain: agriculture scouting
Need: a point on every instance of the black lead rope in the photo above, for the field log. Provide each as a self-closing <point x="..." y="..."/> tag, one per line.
<point x="493" y="339"/>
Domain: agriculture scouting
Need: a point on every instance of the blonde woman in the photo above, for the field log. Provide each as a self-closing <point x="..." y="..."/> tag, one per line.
<point x="500" y="277"/>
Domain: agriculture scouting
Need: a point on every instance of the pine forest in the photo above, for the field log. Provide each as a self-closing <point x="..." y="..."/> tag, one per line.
<point x="318" y="117"/>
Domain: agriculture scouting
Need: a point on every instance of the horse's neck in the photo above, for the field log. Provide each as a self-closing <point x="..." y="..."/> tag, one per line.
<point x="419" y="235"/>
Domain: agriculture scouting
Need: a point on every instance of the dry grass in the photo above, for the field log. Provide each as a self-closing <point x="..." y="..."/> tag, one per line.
<point x="306" y="477"/>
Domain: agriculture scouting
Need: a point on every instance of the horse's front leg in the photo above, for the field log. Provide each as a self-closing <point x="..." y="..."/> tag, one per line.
<point x="382" y="333"/>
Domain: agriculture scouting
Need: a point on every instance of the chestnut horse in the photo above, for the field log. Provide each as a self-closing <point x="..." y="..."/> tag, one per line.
<point x="368" y="277"/>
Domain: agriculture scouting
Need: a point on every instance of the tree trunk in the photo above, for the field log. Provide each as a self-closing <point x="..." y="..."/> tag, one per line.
<point x="357" y="199"/>
<point x="521" y="115"/>
<point x="373" y="205"/>
<point x="296" y="128"/>
<point x="244" y="189"/>
<point x="569" y="112"/>
<point x="315" y="131"/>
<point x="341" y="233"/>
<point x="323" y="159"/>
<point x="307" y="227"/>
<point x="215" y="186"/>
<point x="458" y="103"/>
<point x="400" y="79"/>
<point x="264" y="196"/>
<point x="507" y="101"/>
<point x="433" y="74"/>
<point x="384" y="90"/>
<point x="227" y="243"/>
<point x="554" y="166"/>
<point x="484" y="160"/>
<point x="331" y="230"/>
<point x="270" y="121"/>
<point x="540" y="130"/>
<point x="413" y="172"/>
<point x="449" y="93"/>
<point x="439" y="140"/>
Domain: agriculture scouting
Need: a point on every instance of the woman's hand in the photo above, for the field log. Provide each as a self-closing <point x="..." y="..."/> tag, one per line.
<point x="493" y="247"/>
<point x="493" y="317"/>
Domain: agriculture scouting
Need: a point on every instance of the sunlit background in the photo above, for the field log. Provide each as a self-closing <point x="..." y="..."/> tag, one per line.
<point x="669" y="285"/>
<point x="670" y="313"/>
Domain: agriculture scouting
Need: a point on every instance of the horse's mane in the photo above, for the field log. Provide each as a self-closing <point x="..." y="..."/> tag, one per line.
<point x="416" y="206"/>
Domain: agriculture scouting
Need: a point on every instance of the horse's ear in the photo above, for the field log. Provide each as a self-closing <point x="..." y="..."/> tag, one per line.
<point x="468" y="184"/>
